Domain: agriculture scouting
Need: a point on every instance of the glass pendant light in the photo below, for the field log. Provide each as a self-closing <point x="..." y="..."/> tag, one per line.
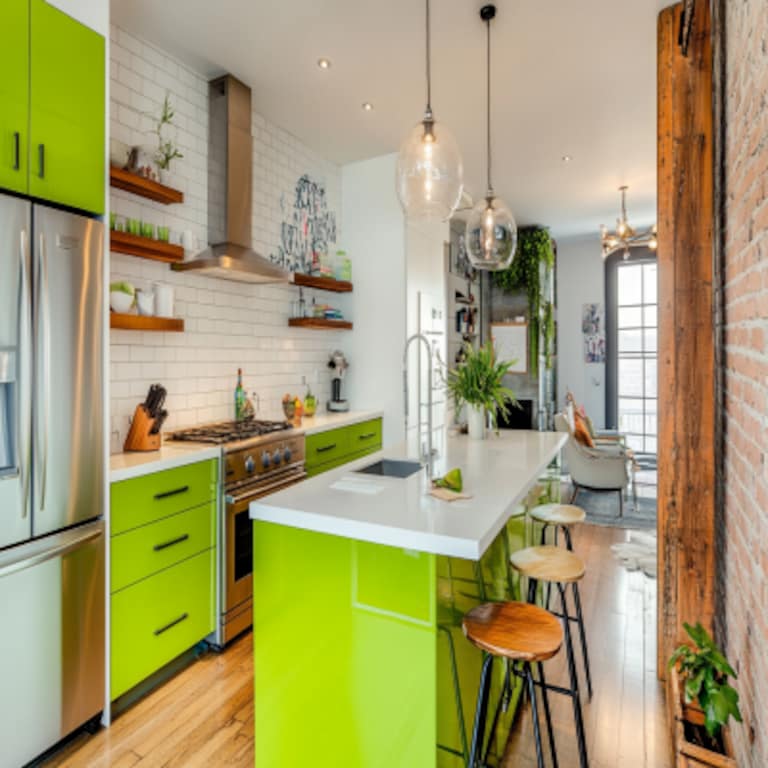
<point x="430" y="173"/>
<point x="491" y="228"/>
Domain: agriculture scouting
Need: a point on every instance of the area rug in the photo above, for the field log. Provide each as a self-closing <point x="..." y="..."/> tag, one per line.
<point x="603" y="509"/>
<point x="638" y="554"/>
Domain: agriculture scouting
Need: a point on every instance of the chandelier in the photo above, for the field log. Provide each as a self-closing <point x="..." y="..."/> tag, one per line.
<point x="625" y="236"/>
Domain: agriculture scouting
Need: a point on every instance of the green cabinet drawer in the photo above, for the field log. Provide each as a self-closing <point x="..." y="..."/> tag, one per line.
<point x="326" y="447"/>
<point x="159" y="618"/>
<point x="66" y="110"/>
<point x="365" y="437"/>
<point x="152" y="497"/>
<point x="141" y="552"/>
<point x="14" y="94"/>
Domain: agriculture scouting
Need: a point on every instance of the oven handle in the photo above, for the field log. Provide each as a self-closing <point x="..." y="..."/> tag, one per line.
<point x="263" y="490"/>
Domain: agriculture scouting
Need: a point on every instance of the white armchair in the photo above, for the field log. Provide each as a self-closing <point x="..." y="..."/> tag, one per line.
<point x="600" y="469"/>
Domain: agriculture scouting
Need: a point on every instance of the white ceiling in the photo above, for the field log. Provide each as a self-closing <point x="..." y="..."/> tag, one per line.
<point x="576" y="78"/>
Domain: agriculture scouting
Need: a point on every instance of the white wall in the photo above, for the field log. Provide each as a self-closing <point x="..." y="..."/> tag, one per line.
<point x="580" y="280"/>
<point x="228" y="325"/>
<point x="92" y="13"/>
<point x="375" y="230"/>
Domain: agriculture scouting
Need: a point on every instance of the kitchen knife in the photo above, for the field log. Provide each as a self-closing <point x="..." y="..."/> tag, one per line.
<point x="159" y="421"/>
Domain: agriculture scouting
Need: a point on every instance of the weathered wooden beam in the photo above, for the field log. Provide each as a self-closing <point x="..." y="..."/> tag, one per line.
<point x="686" y="338"/>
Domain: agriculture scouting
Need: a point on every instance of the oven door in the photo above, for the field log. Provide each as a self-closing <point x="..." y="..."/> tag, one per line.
<point x="238" y="560"/>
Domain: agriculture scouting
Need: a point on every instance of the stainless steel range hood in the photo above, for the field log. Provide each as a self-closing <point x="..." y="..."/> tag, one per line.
<point x="230" y="192"/>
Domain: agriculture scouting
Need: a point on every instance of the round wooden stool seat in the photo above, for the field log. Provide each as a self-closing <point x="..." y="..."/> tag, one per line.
<point x="558" y="514"/>
<point x="517" y="631"/>
<point x="548" y="563"/>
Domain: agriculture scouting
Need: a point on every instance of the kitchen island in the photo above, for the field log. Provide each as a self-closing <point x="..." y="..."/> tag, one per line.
<point x="360" y="584"/>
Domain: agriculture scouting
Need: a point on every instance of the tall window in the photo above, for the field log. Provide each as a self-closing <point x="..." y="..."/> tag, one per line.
<point x="636" y="353"/>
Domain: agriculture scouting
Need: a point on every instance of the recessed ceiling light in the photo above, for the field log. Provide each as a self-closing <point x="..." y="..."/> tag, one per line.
<point x="324" y="63"/>
<point x="367" y="106"/>
<point x="566" y="158"/>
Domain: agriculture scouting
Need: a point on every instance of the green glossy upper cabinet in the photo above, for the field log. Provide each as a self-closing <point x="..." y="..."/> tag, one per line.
<point x="66" y="148"/>
<point x="14" y="94"/>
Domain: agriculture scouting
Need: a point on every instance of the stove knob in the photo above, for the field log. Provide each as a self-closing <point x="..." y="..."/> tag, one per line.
<point x="276" y="457"/>
<point x="287" y="455"/>
<point x="250" y="464"/>
<point x="265" y="460"/>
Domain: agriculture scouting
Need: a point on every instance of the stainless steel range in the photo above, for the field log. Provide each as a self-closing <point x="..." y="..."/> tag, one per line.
<point x="259" y="458"/>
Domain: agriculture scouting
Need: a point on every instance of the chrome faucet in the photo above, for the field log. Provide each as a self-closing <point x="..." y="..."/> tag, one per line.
<point x="427" y="451"/>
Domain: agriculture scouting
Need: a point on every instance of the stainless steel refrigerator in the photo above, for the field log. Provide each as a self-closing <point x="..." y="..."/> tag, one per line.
<point x="51" y="476"/>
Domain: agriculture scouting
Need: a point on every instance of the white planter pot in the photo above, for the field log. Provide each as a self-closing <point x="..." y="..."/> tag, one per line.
<point x="476" y="418"/>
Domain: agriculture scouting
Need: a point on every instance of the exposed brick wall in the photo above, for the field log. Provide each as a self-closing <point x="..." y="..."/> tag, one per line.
<point x="228" y="325"/>
<point x="746" y="378"/>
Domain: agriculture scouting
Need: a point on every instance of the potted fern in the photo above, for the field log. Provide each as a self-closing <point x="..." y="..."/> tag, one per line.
<point x="478" y="383"/>
<point x="705" y="704"/>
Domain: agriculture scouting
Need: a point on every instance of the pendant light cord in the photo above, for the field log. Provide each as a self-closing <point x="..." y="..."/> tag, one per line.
<point x="488" y="108"/>
<point x="429" y="67"/>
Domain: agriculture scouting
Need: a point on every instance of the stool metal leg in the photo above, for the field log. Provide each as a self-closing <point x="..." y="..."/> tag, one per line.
<point x="478" y="731"/>
<point x="534" y="713"/>
<point x="583" y="633"/>
<point x="547" y="714"/>
<point x="575" y="697"/>
<point x="567" y="534"/>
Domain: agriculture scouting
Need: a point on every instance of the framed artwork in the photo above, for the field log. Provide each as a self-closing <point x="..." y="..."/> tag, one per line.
<point x="510" y="342"/>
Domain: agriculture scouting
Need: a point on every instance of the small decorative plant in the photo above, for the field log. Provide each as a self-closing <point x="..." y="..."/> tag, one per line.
<point x="478" y="382"/>
<point x="167" y="150"/>
<point x="704" y="672"/>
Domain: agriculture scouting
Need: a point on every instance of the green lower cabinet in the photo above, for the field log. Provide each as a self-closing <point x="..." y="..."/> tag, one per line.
<point x="144" y="551"/>
<point x="14" y="94"/>
<point x="159" y="618"/>
<point x="335" y="447"/>
<point x="66" y="110"/>
<point x="367" y="638"/>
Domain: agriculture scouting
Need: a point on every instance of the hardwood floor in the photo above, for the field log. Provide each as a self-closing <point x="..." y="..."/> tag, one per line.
<point x="204" y="715"/>
<point x="625" y="722"/>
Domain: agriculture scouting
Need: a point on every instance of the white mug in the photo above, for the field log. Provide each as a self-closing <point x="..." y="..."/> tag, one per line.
<point x="145" y="301"/>
<point x="163" y="300"/>
<point x="189" y="241"/>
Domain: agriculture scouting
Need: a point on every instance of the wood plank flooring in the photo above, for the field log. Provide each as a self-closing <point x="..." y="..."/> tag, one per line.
<point x="204" y="715"/>
<point x="625" y="721"/>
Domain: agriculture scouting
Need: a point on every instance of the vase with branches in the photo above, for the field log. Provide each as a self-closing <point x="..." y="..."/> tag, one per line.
<point x="167" y="149"/>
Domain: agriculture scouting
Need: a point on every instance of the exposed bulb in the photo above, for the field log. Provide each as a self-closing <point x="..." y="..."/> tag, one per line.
<point x="429" y="172"/>
<point x="491" y="234"/>
<point x="653" y="243"/>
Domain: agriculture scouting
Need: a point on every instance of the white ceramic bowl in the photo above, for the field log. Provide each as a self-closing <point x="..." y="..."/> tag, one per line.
<point x="120" y="302"/>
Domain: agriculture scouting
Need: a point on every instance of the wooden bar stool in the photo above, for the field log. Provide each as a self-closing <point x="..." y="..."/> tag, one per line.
<point x="560" y="567"/>
<point x="561" y="517"/>
<point x="517" y="632"/>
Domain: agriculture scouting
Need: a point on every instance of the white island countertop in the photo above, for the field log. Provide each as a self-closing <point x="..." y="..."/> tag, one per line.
<point x="498" y="473"/>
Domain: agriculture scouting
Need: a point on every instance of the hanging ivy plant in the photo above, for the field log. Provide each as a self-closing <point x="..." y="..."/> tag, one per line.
<point x="534" y="248"/>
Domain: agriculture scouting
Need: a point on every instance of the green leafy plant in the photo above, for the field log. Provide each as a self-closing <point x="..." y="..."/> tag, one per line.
<point x="478" y="381"/>
<point x="705" y="672"/>
<point x="166" y="148"/>
<point x="534" y="249"/>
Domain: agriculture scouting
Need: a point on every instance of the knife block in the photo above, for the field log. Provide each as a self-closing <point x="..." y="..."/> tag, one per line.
<point x="139" y="437"/>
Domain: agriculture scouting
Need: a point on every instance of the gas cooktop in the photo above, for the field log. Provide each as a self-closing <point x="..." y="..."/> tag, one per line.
<point x="230" y="431"/>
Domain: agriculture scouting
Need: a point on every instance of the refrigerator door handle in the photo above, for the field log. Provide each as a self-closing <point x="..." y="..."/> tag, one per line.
<point x="43" y="373"/>
<point x="68" y="542"/>
<point x="24" y="416"/>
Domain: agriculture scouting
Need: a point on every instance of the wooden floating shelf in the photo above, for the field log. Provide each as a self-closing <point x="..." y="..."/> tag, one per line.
<point x="145" y="323"/>
<point x="145" y="247"/>
<point x="138" y="185"/>
<point x="320" y="324"/>
<point x="322" y="283"/>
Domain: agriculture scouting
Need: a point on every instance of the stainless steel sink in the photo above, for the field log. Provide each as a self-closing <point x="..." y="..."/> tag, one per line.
<point x="392" y="468"/>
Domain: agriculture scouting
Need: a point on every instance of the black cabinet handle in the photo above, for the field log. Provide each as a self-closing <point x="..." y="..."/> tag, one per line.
<point x="41" y="160"/>
<point x="325" y="448"/>
<point x="174" y="492"/>
<point x="16" y="151"/>
<point x="170" y="543"/>
<point x="172" y="624"/>
<point x="367" y="436"/>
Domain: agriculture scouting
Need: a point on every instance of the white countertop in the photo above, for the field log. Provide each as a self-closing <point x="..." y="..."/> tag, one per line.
<point x="498" y="472"/>
<point x="124" y="466"/>
<point x="322" y="422"/>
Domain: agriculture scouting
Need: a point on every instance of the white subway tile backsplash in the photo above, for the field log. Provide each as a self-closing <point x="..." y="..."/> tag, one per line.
<point x="228" y="325"/>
